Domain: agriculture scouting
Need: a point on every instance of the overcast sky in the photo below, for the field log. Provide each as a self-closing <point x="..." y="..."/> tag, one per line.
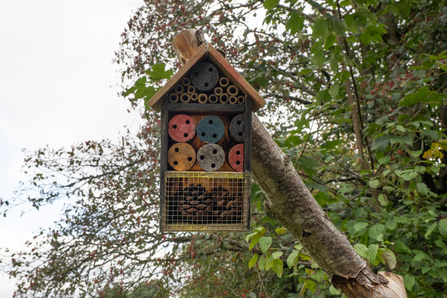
<point x="57" y="87"/>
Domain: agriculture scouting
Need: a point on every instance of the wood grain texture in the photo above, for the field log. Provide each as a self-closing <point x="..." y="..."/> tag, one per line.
<point x="211" y="157"/>
<point x="237" y="128"/>
<point x="236" y="157"/>
<point x="210" y="129"/>
<point x="186" y="44"/>
<point x="181" y="156"/>
<point x="204" y="76"/>
<point x="182" y="128"/>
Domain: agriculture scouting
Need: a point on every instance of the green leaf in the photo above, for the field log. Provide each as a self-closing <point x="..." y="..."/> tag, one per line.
<point x="158" y="72"/>
<point x="254" y="241"/>
<point x="422" y="188"/>
<point x="253" y="261"/>
<point x="376" y="230"/>
<point x="383" y="200"/>
<point x="334" y="291"/>
<point x="380" y="143"/>
<point x="261" y="262"/>
<point x="360" y="225"/>
<point x="419" y="257"/>
<point x="268" y="263"/>
<point x="443" y="227"/>
<point x="320" y="29"/>
<point x="389" y="258"/>
<point x="323" y="96"/>
<point x="291" y="259"/>
<point x="361" y="250"/>
<point x="432" y="134"/>
<point x="374" y="183"/>
<point x="265" y="243"/>
<point x="409" y="282"/>
<point x="373" y="34"/>
<point x="278" y="267"/>
<point x="372" y="253"/>
<point x="401" y="247"/>
<point x="333" y="90"/>
<point x="269" y="4"/>
<point x="277" y="254"/>
<point x="422" y="95"/>
<point x="384" y="160"/>
<point x="431" y="229"/>
<point x="391" y="224"/>
<point x="280" y="231"/>
<point x="295" y="23"/>
<point x="318" y="53"/>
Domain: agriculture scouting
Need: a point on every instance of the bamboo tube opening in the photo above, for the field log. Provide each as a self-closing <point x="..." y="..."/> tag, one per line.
<point x="202" y="98"/>
<point x="224" y="82"/>
<point x="213" y="98"/>
<point x="218" y="91"/>
<point x="179" y="89"/>
<point x="232" y="100"/>
<point x="186" y="81"/>
<point x="241" y="99"/>
<point x="191" y="89"/>
<point x="173" y="98"/>
<point x="223" y="98"/>
<point x="194" y="96"/>
<point x="232" y="90"/>
<point x="185" y="97"/>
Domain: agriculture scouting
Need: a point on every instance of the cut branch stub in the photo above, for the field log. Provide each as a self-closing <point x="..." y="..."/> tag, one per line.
<point x="186" y="44"/>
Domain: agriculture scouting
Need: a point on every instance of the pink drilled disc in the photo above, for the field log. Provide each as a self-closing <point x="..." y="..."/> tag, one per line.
<point x="236" y="158"/>
<point x="182" y="128"/>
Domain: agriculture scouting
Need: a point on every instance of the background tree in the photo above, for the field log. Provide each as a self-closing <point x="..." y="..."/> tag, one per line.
<point x="355" y="97"/>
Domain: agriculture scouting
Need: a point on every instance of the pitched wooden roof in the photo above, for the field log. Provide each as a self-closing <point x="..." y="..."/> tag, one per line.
<point x="208" y="52"/>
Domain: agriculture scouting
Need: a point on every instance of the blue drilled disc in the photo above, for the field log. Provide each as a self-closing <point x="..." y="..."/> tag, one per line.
<point x="210" y="129"/>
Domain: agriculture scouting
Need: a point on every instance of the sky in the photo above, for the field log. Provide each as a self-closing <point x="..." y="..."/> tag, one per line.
<point x="58" y="86"/>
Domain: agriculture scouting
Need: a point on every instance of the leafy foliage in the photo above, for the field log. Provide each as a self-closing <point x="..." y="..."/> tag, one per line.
<point x="355" y="94"/>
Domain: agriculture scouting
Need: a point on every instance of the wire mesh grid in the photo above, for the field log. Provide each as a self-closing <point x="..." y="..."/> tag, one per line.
<point x="204" y="201"/>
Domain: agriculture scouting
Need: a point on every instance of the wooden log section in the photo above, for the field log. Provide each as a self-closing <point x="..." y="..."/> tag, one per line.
<point x="179" y="89"/>
<point x="191" y="89"/>
<point x="232" y="100"/>
<point x="186" y="44"/>
<point x="185" y="97"/>
<point x="186" y="81"/>
<point x="204" y="76"/>
<point x="173" y="98"/>
<point x="224" y="82"/>
<point x="203" y="98"/>
<point x="236" y="130"/>
<point x="194" y="97"/>
<point x="181" y="156"/>
<point x="232" y="90"/>
<point x="182" y="128"/>
<point x="241" y="99"/>
<point x="223" y="98"/>
<point x="218" y="91"/>
<point x="213" y="98"/>
<point x="236" y="157"/>
<point x="211" y="157"/>
<point x="210" y="129"/>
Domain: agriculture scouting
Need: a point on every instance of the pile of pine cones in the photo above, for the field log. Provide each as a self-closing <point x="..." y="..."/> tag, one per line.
<point x="195" y="204"/>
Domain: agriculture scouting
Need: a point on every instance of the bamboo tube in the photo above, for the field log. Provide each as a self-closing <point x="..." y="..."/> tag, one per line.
<point x="218" y="91"/>
<point x="213" y="98"/>
<point x="232" y="100"/>
<point x="232" y="90"/>
<point x="179" y="89"/>
<point x="186" y="81"/>
<point x="224" y="82"/>
<point x="223" y="98"/>
<point x="185" y="97"/>
<point x="202" y="98"/>
<point x="191" y="89"/>
<point x="194" y="96"/>
<point x="173" y="97"/>
<point x="241" y="99"/>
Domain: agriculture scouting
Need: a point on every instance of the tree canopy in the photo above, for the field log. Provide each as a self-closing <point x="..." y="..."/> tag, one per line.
<point x="355" y="95"/>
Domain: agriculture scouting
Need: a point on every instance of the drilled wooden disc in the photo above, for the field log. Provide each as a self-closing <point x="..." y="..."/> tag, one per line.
<point x="182" y="128"/>
<point x="181" y="156"/>
<point x="204" y="76"/>
<point x="237" y="128"/>
<point x="211" y="157"/>
<point x="236" y="157"/>
<point x="210" y="129"/>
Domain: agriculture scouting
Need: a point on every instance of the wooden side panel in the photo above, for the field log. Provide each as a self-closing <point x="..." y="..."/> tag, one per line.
<point x="163" y="158"/>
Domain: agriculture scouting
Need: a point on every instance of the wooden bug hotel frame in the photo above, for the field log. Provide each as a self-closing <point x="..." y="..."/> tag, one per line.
<point x="206" y="113"/>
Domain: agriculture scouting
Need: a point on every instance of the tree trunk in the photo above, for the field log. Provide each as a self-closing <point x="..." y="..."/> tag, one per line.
<point x="290" y="202"/>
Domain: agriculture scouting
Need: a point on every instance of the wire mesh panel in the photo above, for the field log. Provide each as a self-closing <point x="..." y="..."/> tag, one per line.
<point x="206" y="201"/>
